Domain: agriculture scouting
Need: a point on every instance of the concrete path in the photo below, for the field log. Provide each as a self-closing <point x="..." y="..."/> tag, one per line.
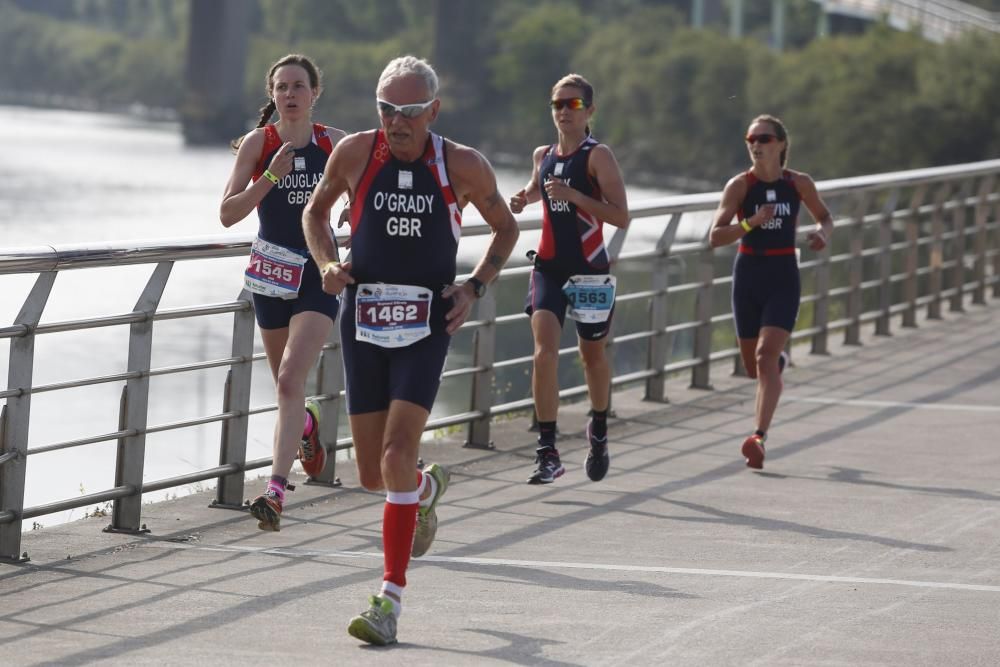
<point x="872" y="537"/>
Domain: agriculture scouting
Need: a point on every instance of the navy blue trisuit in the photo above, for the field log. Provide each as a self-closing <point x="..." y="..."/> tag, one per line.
<point x="572" y="241"/>
<point x="280" y="214"/>
<point x="766" y="288"/>
<point x="405" y="228"/>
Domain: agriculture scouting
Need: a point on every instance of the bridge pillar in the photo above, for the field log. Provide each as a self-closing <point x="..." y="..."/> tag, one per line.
<point x="823" y="22"/>
<point x="212" y="109"/>
<point x="778" y="25"/>
<point x="705" y="12"/>
<point x="737" y="13"/>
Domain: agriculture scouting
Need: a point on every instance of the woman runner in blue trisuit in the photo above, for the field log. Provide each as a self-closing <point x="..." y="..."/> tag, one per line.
<point x="763" y="202"/>
<point x="285" y="160"/>
<point x="581" y="187"/>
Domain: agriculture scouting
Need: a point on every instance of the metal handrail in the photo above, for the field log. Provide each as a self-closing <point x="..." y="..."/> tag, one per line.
<point x="957" y="225"/>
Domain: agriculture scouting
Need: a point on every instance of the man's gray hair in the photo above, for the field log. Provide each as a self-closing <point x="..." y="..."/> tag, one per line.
<point x="406" y="65"/>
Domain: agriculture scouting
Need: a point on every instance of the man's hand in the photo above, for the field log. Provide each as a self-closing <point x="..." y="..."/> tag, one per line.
<point x="336" y="277"/>
<point x="463" y="297"/>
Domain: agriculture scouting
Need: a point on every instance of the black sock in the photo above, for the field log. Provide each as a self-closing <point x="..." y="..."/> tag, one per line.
<point x="760" y="433"/>
<point x="599" y="424"/>
<point x="547" y="434"/>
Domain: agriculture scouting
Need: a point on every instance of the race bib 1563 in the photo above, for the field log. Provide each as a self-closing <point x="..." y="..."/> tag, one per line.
<point x="590" y="297"/>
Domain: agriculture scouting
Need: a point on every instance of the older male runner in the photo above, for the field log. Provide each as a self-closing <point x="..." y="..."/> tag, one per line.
<point x="408" y="187"/>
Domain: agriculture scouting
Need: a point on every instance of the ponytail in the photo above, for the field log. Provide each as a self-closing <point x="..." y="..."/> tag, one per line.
<point x="266" y="112"/>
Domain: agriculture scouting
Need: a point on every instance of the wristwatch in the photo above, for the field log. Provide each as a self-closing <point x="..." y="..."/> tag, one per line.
<point x="478" y="286"/>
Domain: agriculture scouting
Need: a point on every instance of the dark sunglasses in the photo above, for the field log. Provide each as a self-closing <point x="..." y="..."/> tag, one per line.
<point x="761" y="138"/>
<point x="389" y="110"/>
<point x="574" y="103"/>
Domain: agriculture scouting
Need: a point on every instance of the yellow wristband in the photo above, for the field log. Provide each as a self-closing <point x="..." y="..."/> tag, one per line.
<point x="745" y="225"/>
<point x="271" y="177"/>
<point x="326" y="267"/>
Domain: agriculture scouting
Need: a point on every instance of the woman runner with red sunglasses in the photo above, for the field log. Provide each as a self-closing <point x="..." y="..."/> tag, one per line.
<point x="581" y="187"/>
<point x="764" y="200"/>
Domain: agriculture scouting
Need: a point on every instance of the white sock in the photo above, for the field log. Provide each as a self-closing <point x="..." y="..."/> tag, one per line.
<point x="429" y="481"/>
<point x="389" y="587"/>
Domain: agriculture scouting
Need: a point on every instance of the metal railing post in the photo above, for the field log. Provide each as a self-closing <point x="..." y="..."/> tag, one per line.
<point x="884" y="321"/>
<point x="233" y="443"/>
<point x="996" y="255"/>
<point x="935" y="256"/>
<point x="483" y="355"/>
<point x="855" y="271"/>
<point x="614" y="248"/>
<point x="126" y="512"/>
<point x="820" y="343"/>
<point x="700" y="374"/>
<point x="658" y="349"/>
<point x="982" y="215"/>
<point x="910" y="285"/>
<point x="17" y="415"/>
<point x="958" y="225"/>
<point x="330" y="383"/>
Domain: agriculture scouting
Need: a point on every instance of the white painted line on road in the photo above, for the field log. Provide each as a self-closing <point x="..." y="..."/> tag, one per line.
<point x="957" y="407"/>
<point x="556" y="565"/>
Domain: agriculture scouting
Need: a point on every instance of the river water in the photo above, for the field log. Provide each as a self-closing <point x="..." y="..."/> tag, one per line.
<point x="84" y="178"/>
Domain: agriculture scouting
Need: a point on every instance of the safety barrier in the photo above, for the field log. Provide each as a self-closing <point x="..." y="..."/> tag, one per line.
<point x="902" y="241"/>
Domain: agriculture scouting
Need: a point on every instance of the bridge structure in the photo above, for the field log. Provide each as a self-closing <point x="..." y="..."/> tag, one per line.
<point x="936" y="20"/>
<point x="869" y="536"/>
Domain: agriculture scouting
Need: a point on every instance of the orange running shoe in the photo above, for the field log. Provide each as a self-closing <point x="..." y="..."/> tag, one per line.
<point x="312" y="453"/>
<point x="266" y="508"/>
<point x="753" y="451"/>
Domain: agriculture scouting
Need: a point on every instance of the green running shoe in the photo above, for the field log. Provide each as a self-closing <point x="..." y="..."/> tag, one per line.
<point x="427" y="521"/>
<point x="376" y="625"/>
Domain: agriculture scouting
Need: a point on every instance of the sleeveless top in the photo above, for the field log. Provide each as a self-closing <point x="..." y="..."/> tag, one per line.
<point x="405" y="221"/>
<point x="280" y="211"/>
<point x="572" y="239"/>
<point x="779" y="231"/>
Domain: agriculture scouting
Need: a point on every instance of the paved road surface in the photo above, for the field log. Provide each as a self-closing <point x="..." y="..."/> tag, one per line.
<point x="871" y="538"/>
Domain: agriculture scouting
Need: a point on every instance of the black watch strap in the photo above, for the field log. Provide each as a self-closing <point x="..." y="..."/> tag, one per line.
<point x="478" y="286"/>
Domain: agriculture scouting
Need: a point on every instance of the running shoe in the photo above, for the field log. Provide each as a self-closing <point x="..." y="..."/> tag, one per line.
<point x="377" y="624"/>
<point x="266" y="508"/>
<point x="549" y="466"/>
<point x="427" y="520"/>
<point x="312" y="453"/>
<point x="753" y="451"/>
<point x="598" y="459"/>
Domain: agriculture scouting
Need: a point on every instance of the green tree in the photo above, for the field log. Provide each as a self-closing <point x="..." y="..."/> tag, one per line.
<point x="536" y="51"/>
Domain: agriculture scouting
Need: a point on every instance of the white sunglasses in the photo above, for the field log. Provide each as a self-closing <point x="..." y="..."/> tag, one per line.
<point x="388" y="109"/>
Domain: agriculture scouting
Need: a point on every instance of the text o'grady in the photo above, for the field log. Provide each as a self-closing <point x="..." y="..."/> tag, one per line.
<point x="411" y="204"/>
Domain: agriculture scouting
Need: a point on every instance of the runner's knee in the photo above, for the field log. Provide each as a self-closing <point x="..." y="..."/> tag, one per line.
<point x="397" y="456"/>
<point x="290" y="383"/>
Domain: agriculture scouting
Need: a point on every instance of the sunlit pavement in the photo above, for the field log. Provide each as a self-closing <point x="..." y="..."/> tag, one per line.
<point x="871" y="537"/>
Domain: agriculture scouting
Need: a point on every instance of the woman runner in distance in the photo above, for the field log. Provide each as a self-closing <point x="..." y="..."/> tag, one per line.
<point x="765" y="203"/>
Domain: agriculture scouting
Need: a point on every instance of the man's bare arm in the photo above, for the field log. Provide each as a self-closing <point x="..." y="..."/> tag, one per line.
<point x="337" y="178"/>
<point x="483" y="194"/>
